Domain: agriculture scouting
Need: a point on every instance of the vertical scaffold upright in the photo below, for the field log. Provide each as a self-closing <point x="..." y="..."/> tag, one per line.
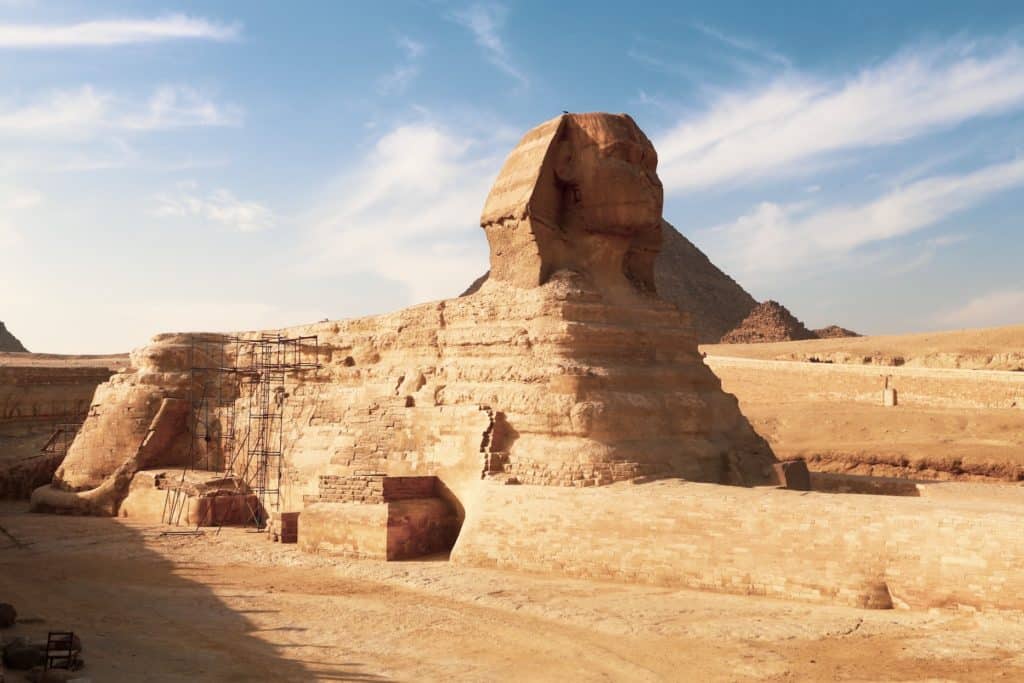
<point x="263" y="365"/>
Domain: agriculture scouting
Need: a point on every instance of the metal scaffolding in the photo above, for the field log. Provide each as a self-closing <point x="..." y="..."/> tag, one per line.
<point x="226" y="373"/>
<point x="262" y="366"/>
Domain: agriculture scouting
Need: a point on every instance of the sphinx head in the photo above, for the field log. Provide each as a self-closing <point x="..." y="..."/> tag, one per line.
<point x="579" y="192"/>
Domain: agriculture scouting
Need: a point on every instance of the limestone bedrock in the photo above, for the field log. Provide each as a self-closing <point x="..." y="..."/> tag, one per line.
<point x="565" y="368"/>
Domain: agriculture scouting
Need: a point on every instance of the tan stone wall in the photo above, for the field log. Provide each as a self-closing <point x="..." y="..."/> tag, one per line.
<point x="926" y="387"/>
<point x="810" y="546"/>
<point x="48" y="395"/>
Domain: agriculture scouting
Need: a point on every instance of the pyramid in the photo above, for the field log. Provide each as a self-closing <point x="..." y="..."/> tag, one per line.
<point x="834" y="332"/>
<point x="8" y="342"/>
<point x="768" y="322"/>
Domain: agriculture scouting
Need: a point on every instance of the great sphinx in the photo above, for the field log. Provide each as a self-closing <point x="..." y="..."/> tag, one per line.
<point x="564" y="368"/>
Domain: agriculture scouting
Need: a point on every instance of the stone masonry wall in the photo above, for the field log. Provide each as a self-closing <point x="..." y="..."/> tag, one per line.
<point x="374" y="488"/>
<point x="361" y="488"/>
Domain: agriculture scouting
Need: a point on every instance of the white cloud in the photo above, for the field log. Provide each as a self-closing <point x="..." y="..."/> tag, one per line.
<point x="83" y="112"/>
<point x="1001" y="307"/>
<point x="114" y="32"/>
<point x="781" y="126"/>
<point x="408" y="212"/>
<point x="14" y="200"/>
<point x="220" y="206"/>
<point x="484" y="21"/>
<point x="66" y="113"/>
<point x="180" y="107"/>
<point x="776" y="237"/>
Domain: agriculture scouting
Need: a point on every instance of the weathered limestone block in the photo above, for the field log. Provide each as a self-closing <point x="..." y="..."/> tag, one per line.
<point x="393" y="530"/>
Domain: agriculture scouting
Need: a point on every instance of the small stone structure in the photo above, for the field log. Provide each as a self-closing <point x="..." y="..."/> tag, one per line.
<point x="379" y="517"/>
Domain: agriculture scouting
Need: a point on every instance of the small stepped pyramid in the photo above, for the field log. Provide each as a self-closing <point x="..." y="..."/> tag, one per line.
<point x="768" y="322"/>
<point x="834" y="332"/>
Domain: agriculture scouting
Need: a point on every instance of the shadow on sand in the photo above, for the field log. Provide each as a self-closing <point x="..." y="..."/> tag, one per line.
<point x="142" y="616"/>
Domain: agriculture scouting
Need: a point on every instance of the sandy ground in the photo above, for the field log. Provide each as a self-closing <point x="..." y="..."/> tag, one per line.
<point x="234" y="607"/>
<point x="996" y="348"/>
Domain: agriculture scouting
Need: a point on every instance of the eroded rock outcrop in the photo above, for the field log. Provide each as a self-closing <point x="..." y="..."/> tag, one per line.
<point x="564" y="368"/>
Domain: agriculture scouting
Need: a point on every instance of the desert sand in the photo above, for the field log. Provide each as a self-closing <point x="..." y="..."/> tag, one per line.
<point x="234" y="607"/>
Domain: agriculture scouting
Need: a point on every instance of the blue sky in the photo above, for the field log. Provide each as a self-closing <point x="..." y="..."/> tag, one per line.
<point x="260" y="164"/>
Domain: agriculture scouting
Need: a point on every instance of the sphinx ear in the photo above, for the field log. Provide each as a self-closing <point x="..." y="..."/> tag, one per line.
<point x="565" y="163"/>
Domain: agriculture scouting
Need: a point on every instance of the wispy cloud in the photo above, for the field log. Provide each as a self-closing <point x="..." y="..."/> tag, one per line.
<point x="399" y="78"/>
<point x="219" y="206"/>
<point x="181" y="107"/>
<point x="408" y="212"/>
<point x="414" y="49"/>
<point x="67" y="112"/>
<point x="776" y="237"/>
<point x="115" y="32"/>
<point x="781" y="126"/>
<point x="484" y="21"/>
<point x="743" y="45"/>
<point x="1000" y="307"/>
<point x="85" y="111"/>
<point x="926" y="252"/>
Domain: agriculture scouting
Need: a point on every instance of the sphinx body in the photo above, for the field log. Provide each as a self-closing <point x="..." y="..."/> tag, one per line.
<point x="564" y="368"/>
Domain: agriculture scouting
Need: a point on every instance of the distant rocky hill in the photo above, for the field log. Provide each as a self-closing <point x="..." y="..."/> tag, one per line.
<point x="686" y="277"/>
<point x="8" y="342"/>
<point x="834" y="332"/>
<point x="768" y="322"/>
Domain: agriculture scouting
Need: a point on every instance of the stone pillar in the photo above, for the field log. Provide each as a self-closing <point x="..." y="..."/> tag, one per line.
<point x="889" y="397"/>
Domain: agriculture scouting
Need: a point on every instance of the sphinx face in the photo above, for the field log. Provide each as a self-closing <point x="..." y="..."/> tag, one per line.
<point x="613" y="186"/>
<point x="579" y="193"/>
